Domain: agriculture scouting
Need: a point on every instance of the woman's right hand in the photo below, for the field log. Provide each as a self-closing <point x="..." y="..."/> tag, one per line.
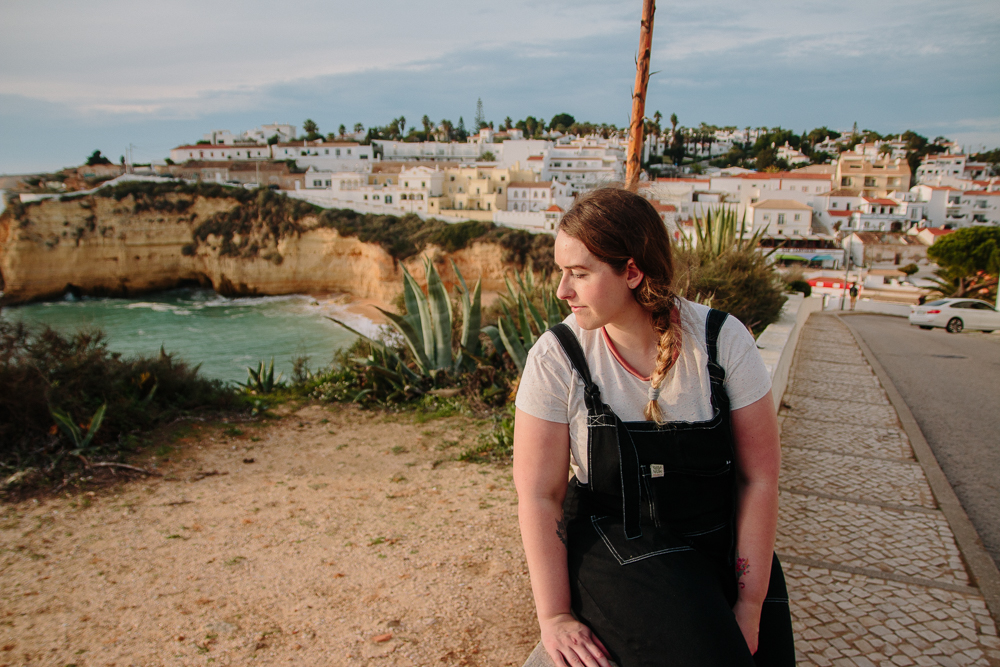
<point x="570" y="642"/>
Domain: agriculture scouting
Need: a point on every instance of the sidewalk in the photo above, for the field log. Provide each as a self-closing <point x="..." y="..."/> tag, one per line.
<point x="873" y="569"/>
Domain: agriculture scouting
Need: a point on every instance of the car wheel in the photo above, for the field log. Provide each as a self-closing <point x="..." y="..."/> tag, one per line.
<point x="954" y="325"/>
<point x="923" y="327"/>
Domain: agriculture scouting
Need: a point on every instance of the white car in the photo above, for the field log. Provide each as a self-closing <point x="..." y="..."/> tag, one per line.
<point x="954" y="315"/>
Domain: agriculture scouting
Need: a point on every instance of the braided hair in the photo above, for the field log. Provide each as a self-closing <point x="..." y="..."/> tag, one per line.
<point x="616" y="225"/>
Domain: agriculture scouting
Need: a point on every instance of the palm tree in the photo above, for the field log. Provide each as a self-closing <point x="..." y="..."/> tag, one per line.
<point x="342" y="130"/>
<point x="358" y="127"/>
<point x="426" y="122"/>
<point x="507" y="123"/>
<point x="402" y="126"/>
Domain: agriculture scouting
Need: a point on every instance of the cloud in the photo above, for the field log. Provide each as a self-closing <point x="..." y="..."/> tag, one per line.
<point x="79" y="76"/>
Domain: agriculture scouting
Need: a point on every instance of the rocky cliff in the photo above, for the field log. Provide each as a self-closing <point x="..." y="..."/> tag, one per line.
<point x="101" y="245"/>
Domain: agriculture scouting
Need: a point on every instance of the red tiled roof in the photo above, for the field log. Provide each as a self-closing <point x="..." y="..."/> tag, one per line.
<point x="536" y="157"/>
<point x="231" y="147"/>
<point x="555" y="209"/>
<point x="936" y="231"/>
<point x="530" y="184"/>
<point x="664" y="207"/>
<point x="881" y="202"/>
<point x="839" y="214"/>
<point x="788" y="175"/>
<point x="681" y="180"/>
<point x="980" y="193"/>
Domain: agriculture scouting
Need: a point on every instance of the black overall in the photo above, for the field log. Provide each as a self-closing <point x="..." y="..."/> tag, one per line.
<point x="652" y="536"/>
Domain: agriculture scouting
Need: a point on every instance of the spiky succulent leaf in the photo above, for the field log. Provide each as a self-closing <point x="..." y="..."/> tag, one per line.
<point x="441" y="316"/>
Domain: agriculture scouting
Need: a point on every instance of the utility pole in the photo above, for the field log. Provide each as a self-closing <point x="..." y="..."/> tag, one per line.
<point x="633" y="157"/>
<point x="847" y="271"/>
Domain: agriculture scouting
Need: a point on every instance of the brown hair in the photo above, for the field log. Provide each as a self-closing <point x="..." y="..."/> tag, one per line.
<point x="617" y="225"/>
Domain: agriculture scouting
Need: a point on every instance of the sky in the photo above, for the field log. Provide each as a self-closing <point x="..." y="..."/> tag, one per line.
<point x="104" y="74"/>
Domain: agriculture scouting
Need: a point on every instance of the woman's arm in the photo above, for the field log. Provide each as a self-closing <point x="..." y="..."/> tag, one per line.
<point x="541" y="464"/>
<point x="758" y="458"/>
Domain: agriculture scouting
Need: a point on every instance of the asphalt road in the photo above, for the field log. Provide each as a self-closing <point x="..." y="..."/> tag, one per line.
<point x="951" y="383"/>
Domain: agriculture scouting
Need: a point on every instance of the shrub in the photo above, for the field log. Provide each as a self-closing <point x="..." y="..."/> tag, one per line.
<point x="42" y="371"/>
<point x="800" y="286"/>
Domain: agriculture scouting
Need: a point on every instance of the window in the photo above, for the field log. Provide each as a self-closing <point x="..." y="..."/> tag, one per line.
<point x="329" y="183"/>
<point x="797" y="217"/>
<point x="781" y="218"/>
<point x="348" y="151"/>
<point x="499" y="191"/>
<point x="791" y="187"/>
<point x="326" y="151"/>
<point x="452" y="178"/>
<point x="316" y="184"/>
<point x="845" y="180"/>
<point x="388" y="199"/>
<point x="833" y="205"/>
<point x="423" y="184"/>
<point x="767" y="217"/>
<point x="869" y="181"/>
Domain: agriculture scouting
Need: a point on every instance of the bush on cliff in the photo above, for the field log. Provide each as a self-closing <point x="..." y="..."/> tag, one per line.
<point x="43" y="370"/>
<point x="406" y="236"/>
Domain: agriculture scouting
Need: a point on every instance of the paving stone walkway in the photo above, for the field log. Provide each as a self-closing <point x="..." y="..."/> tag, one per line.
<point x="874" y="573"/>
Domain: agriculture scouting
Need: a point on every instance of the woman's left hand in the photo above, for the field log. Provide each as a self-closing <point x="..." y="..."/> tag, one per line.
<point x="748" y="618"/>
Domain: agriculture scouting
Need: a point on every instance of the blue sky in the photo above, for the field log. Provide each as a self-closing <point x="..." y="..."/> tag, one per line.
<point x="105" y="73"/>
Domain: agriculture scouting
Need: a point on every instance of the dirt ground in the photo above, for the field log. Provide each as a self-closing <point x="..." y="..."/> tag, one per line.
<point x="333" y="536"/>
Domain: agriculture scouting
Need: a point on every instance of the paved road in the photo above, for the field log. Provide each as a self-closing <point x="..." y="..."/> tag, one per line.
<point x="951" y="383"/>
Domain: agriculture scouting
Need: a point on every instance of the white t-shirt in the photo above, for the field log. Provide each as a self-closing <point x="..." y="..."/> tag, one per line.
<point x="550" y="388"/>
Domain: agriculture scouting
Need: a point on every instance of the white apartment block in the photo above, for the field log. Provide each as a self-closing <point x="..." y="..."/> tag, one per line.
<point x="431" y="151"/>
<point x="585" y="163"/>
<point x="409" y="191"/>
<point x="978" y="208"/>
<point x="780" y="217"/>
<point x="212" y="152"/>
<point x="791" y="155"/>
<point x="313" y="153"/>
<point x="535" y="196"/>
<point x="950" y="169"/>
<point x="258" y="135"/>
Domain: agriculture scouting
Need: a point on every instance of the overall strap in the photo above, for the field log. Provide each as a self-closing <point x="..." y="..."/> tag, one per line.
<point x="570" y="344"/>
<point x="605" y="425"/>
<point x="713" y="326"/>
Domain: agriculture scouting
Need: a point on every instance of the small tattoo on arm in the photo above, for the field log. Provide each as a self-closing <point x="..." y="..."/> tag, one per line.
<point x="561" y="530"/>
<point x="742" y="568"/>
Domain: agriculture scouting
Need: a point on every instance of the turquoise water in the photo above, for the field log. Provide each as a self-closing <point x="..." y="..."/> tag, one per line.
<point x="201" y="327"/>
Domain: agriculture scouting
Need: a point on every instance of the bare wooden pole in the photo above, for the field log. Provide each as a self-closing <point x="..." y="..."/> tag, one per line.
<point x="633" y="157"/>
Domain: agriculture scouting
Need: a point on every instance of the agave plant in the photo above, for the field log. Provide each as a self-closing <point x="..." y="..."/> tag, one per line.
<point x="262" y="379"/>
<point x="427" y="327"/>
<point x="522" y="322"/>
<point x="80" y="440"/>
<point x="717" y="233"/>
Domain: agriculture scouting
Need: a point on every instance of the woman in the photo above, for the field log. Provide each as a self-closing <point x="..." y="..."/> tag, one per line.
<point x="659" y="551"/>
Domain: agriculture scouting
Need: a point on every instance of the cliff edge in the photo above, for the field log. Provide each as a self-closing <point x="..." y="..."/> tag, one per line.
<point x="125" y="241"/>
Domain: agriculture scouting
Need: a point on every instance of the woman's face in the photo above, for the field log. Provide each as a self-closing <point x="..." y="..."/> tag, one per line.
<point x="595" y="293"/>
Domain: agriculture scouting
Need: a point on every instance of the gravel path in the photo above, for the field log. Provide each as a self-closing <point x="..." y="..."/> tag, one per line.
<point x="349" y="540"/>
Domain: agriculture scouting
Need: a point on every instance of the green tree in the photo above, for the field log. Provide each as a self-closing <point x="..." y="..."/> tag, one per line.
<point x="460" y="131"/>
<point x="272" y="140"/>
<point x="358" y="127"/>
<point x="488" y="156"/>
<point x="341" y="130"/>
<point x="426" y="122"/>
<point x="563" y="119"/>
<point x="970" y="261"/>
<point x="96" y="158"/>
<point x="311" y="129"/>
<point x="508" y="123"/>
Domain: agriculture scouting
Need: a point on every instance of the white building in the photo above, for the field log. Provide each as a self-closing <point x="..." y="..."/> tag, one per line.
<point x="979" y="208"/>
<point x="431" y="151"/>
<point x="407" y="192"/>
<point x="211" y="152"/>
<point x="527" y="196"/>
<point x="780" y="217"/>
<point x="584" y="164"/>
<point x="791" y="155"/>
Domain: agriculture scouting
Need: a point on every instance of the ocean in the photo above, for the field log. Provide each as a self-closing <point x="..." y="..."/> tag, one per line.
<point x="199" y="326"/>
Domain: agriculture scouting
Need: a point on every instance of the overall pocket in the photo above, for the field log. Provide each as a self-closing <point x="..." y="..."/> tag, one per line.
<point x="653" y="541"/>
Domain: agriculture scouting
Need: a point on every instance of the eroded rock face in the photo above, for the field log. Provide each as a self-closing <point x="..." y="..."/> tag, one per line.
<point x="100" y="246"/>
